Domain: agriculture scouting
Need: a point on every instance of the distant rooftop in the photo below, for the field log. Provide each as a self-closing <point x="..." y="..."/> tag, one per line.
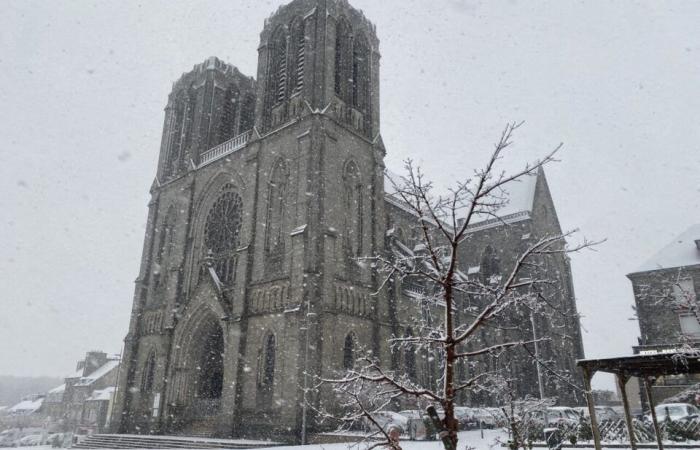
<point x="682" y="251"/>
<point x="97" y="374"/>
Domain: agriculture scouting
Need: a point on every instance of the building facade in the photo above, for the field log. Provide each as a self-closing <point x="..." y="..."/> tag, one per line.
<point x="80" y="404"/>
<point x="267" y="192"/>
<point x="665" y="294"/>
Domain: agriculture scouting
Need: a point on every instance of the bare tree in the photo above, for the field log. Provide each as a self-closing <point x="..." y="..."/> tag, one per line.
<point x="450" y="328"/>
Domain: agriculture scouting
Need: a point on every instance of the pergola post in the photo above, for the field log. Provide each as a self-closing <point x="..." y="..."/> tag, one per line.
<point x="587" y="375"/>
<point x="650" y="399"/>
<point x="621" y="383"/>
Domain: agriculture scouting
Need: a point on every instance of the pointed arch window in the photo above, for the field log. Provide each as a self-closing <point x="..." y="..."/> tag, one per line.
<point x="349" y="352"/>
<point x="165" y="247"/>
<point x="269" y="373"/>
<point x="353" y="204"/>
<point x="360" y="74"/>
<point x="276" y="216"/>
<point x="490" y="266"/>
<point x="278" y="72"/>
<point x="410" y="355"/>
<point x="247" y="113"/>
<point x="222" y="233"/>
<point x="229" y="114"/>
<point x="148" y="374"/>
<point x="298" y="47"/>
<point x="180" y="121"/>
<point x="266" y="372"/>
<point x="342" y="59"/>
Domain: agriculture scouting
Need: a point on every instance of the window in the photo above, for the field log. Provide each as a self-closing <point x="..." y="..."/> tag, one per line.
<point x="298" y="55"/>
<point x="268" y="376"/>
<point x="227" y="126"/>
<point x="221" y="233"/>
<point x="278" y="71"/>
<point x="684" y="292"/>
<point x="148" y="374"/>
<point x="490" y="266"/>
<point x="342" y="50"/>
<point x="353" y="204"/>
<point x="349" y="352"/>
<point x="690" y="326"/>
<point x="410" y="356"/>
<point x="360" y="74"/>
<point x="276" y="217"/>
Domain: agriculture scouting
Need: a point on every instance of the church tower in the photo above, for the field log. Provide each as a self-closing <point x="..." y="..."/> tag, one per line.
<point x="268" y="193"/>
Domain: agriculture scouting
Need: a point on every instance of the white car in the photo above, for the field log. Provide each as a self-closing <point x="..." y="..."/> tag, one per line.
<point x="674" y="411"/>
<point x="558" y="415"/>
<point x="387" y="418"/>
<point x="601" y="413"/>
<point x="29" y="441"/>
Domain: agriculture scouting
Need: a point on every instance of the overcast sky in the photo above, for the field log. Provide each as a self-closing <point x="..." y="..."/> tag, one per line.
<point x="83" y="85"/>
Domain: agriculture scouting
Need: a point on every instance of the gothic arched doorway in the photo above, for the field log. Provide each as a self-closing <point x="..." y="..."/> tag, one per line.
<point x="210" y="367"/>
<point x="198" y="382"/>
<point x="206" y="357"/>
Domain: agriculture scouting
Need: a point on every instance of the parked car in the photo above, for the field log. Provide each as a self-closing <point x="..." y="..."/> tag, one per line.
<point x="557" y="416"/>
<point x="386" y="418"/>
<point x="674" y="411"/>
<point x="601" y="413"/>
<point x="486" y="417"/>
<point x="466" y="417"/>
<point x="29" y="441"/>
<point x="7" y="438"/>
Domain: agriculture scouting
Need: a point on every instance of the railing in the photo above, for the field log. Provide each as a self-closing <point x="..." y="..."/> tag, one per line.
<point x="225" y="148"/>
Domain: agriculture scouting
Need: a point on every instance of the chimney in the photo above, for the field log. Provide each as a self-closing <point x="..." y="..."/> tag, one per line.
<point x="93" y="361"/>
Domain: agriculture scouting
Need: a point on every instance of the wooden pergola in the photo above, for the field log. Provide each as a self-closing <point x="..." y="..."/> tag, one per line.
<point x="645" y="367"/>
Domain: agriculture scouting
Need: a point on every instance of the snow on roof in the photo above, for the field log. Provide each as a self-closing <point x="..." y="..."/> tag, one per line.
<point x="77" y="374"/>
<point x="58" y="389"/>
<point x="682" y="251"/>
<point x="99" y="373"/>
<point x="519" y="196"/>
<point x="102" y="394"/>
<point x="27" y="406"/>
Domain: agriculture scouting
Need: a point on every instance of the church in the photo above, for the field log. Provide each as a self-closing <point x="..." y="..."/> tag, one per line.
<point x="267" y="191"/>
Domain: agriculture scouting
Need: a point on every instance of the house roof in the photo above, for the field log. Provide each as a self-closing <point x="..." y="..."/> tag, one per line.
<point x="99" y="373"/>
<point x="102" y="394"/>
<point x="27" y="406"/>
<point x="520" y="198"/>
<point x="58" y="389"/>
<point x="680" y="252"/>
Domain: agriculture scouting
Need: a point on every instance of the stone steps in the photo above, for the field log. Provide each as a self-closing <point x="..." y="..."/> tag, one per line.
<point x="119" y="441"/>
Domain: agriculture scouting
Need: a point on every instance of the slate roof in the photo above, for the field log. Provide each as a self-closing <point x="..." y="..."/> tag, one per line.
<point x="681" y="252"/>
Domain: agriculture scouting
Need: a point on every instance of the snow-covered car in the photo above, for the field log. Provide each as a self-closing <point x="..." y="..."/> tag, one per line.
<point x="29" y="441"/>
<point x="466" y="417"/>
<point x="411" y="413"/>
<point x="562" y="415"/>
<point x="674" y="411"/>
<point x="7" y="438"/>
<point x="557" y="416"/>
<point x="486" y="417"/>
<point x="601" y="413"/>
<point x="387" y="418"/>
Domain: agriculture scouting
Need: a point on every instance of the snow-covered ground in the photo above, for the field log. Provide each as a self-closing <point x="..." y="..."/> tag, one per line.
<point x="467" y="439"/>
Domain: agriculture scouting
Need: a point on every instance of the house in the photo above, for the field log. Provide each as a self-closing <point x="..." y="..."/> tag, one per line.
<point x="81" y="403"/>
<point x="665" y="293"/>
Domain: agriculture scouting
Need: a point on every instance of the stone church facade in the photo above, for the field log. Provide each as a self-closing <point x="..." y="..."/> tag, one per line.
<point x="267" y="190"/>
